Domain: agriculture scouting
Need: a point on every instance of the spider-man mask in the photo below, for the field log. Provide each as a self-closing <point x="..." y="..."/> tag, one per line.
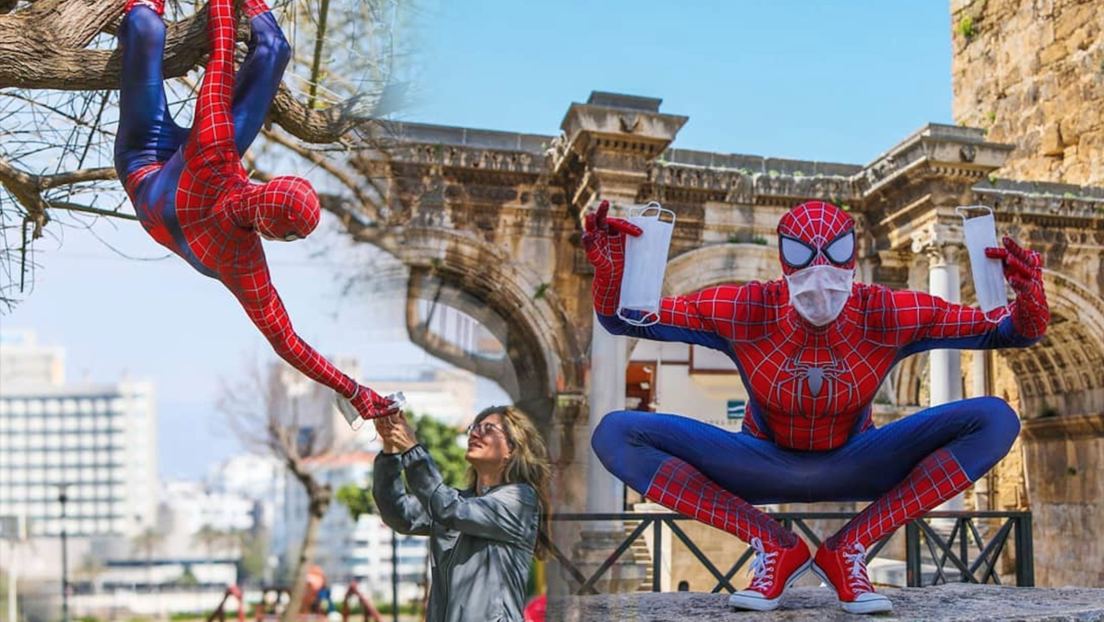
<point x="816" y="244"/>
<point x="286" y="208"/>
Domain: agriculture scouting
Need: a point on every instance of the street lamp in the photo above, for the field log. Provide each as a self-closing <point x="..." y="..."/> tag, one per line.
<point x="63" y="497"/>
<point x="394" y="576"/>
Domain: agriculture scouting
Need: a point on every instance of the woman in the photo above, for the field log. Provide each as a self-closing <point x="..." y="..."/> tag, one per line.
<point x="483" y="538"/>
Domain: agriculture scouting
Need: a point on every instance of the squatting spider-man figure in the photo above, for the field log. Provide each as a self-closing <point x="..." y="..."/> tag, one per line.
<point x="812" y="350"/>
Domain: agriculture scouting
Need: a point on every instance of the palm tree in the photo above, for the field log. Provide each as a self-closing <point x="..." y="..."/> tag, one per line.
<point x="208" y="536"/>
<point x="91" y="569"/>
<point x="148" y="541"/>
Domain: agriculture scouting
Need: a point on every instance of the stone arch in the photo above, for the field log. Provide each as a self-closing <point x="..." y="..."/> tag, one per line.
<point x="1064" y="372"/>
<point x="480" y="278"/>
<point x="718" y="264"/>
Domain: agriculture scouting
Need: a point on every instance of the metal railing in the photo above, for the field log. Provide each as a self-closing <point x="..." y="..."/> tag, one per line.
<point x="979" y="569"/>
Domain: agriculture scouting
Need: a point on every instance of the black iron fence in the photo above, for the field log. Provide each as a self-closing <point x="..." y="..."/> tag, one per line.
<point x="964" y="554"/>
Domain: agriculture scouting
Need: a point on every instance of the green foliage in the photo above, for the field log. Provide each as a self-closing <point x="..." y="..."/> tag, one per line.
<point x="1071" y="471"/>
<point x="188" y="579"/>
<point x="440" y="440"/>
<point x="991" y="116"/>
<point x="772" y="173"/>
<point x="254" y="553"/>
<point x="747" y="237"/>
<point x="541" y="290"/>
<point x="966" y="28"/>
<point x="662" y="161"/>
<point x="992" y="179"/>
<point x="798" y="174"/>
<point x="358" y="500"/>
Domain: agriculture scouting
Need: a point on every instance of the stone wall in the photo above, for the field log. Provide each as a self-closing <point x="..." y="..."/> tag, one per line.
<point x="1066" y="487"/>
<point x="1032" y="73"/>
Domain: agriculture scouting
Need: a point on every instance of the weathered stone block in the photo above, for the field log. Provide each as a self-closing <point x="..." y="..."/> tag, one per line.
<point x="1053" y="53"/>
<point x="1052" y="140"/>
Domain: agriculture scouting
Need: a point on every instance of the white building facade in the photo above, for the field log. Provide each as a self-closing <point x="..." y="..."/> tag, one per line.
<point x="99" y="440"/>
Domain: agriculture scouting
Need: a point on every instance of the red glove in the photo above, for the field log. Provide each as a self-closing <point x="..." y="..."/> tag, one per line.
<point x="372" y="405"/>
<point x="604" y="242"/>
<point x="1024" y="270"/>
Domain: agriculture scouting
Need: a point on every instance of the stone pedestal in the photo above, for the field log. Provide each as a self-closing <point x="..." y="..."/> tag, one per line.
<point x="592" y="550"/>
<point x="605" y="493"/>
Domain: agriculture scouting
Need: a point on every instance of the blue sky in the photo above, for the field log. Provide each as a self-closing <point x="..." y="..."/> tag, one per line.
<point x="839" y="81"/>
<point x="784" y="79"/>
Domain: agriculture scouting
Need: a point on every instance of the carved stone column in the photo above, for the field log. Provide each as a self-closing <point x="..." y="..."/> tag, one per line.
<point x="942" y="245"/>
<point x="607" y="393"/>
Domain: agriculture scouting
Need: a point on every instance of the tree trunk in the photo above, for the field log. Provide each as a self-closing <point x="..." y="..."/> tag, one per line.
<point x="319" y="503"/>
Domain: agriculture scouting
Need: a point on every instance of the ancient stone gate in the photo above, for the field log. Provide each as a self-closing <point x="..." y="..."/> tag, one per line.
<point x="489" y="222"/>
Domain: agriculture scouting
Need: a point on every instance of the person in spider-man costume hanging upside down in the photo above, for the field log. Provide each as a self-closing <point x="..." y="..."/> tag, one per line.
<point x="189" y="188"/>
<point x="812" y="350"/>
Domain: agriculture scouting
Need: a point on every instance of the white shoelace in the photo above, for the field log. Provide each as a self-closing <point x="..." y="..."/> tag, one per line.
<point x="857" y="559"/>
<point x="762" y="569"/>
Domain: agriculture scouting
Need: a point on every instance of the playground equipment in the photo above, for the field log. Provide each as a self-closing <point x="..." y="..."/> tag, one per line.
<point x="266" y="610"/>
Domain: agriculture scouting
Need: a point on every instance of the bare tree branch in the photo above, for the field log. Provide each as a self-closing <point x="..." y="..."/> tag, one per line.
<point x="28" y="189"/>
<point x="65" y="133"/>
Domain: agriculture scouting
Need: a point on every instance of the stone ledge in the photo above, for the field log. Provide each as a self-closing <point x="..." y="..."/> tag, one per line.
<point x="956" y="601"/>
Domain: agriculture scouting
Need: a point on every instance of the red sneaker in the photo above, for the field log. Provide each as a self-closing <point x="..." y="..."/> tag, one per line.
<point x="845" y="570"/>
<point x="773" y="571"/>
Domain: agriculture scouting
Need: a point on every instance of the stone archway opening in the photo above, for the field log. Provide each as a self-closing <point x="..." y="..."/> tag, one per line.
<point x="454" y="323"/>
<point x="1064" y="373"/>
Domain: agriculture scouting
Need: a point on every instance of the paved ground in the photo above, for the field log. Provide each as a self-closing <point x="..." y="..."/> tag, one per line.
<point x="945" y="603"/>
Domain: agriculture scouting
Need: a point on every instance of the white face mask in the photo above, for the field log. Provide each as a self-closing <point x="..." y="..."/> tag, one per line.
<point x="819" y="293"/>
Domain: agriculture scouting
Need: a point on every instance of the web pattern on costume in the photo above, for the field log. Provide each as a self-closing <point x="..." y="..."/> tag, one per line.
<point x="681" y="487"/>
<point x="189" y="188"/>
<point x="936" y="479"/>
<point x="810" y="388"/>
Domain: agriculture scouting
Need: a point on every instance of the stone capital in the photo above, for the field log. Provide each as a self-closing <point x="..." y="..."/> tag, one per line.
<point x="940" y="242"/>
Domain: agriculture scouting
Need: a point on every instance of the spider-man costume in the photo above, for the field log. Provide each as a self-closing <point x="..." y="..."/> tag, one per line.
<point x="189" y="188"/>
<point x="812" y="366"/>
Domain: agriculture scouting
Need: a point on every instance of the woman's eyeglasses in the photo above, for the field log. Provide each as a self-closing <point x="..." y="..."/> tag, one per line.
<point x="484" y="428"/>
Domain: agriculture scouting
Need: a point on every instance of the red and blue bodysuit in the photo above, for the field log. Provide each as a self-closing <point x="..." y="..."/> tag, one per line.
<point x="812" y="350"/>
<point x="189" y="188"/>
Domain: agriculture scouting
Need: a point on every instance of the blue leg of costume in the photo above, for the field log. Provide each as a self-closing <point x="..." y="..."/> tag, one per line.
<point x="147" y="134"/>
<point x="258" y="78"/>
<point x="640" y="448"/>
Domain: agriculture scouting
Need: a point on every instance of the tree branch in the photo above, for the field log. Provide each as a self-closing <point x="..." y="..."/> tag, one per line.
<point x="42" y="48"/>
<point x="28" y="188"/>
